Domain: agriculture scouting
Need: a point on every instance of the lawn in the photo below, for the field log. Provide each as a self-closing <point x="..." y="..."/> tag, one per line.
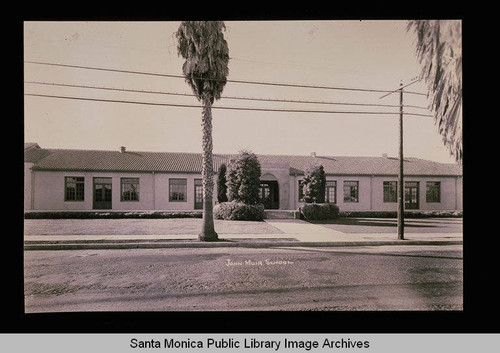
<point x="170" y="226"/>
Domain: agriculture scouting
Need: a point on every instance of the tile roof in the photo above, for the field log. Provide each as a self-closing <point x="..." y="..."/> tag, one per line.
<point x="346" y="165"/>
<point x="131" y="161"/>
<point x="33" y="153"/>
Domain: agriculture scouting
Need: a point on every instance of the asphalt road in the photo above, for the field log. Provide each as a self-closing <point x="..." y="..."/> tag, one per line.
<point x="218" y="279"/>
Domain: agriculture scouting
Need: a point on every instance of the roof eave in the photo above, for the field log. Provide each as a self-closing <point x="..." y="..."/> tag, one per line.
<point x="42" y="169"/>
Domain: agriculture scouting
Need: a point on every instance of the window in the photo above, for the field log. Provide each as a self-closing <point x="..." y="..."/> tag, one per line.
<point x="178" y="189"/>
<point x="102" y="192"/>
<point x="130" y="189"/>
<point x="264" y="191"/>
<point x="198" y="193"/>
<point x="301" y="192"/>
<point x="74" y="188"/>
<point x="433" y="191"/>
<point x="351" y="189"/>
<point x="412" y="195"/>
<point x="390" y="191"/>
<point x="331" y="191"/>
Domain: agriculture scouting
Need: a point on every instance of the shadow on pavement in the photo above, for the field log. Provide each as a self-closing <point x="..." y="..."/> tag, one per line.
<point x="371" y="223"/>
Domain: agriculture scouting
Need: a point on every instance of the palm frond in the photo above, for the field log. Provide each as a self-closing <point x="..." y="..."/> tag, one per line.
<point x="439" y="51"/>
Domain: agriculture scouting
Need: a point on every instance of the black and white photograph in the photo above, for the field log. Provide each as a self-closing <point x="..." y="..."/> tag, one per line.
<point x="243" y="166"/>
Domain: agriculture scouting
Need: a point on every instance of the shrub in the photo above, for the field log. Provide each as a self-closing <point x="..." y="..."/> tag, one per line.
<point x="319" y="211"/>
<point x="238" y="211"/>
<point x="314" y="183"/>
<point x="243" y="178"/>
<point x="221" y="184"/>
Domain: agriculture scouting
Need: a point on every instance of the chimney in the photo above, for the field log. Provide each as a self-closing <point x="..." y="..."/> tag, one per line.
<point x="313" y="154"/>
<point x="122" y="149"/>
<point x="384" y="155"/>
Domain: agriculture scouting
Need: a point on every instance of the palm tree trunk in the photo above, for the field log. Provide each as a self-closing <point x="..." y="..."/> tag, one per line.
<point x="207" y="231"/>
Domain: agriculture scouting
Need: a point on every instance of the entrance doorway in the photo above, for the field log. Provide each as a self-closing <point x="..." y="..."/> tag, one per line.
<point x="411" y="195"/>
<point x="198" y="194"/>
<point x="102" y="193"/>
<point x="269" y="194"/>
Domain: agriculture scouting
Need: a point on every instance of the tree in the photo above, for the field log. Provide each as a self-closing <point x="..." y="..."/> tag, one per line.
<point x="221" y="184"/>
<point x="243" y="178"/>
<point x="439" y="50"/>
<point x="203" y="46"/>
<point x="314" y="184"/>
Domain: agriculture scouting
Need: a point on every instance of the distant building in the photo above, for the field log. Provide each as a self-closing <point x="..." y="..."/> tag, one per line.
<point x="66" y="179"/>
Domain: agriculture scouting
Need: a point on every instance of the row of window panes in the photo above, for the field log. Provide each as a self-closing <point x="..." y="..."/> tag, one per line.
<point x="432" y="190"/>
<point x="351" y="191"/>
<point x="74" y="189"/>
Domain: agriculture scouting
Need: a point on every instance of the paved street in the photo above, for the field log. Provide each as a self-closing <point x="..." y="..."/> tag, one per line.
<point x="299" y="278"/>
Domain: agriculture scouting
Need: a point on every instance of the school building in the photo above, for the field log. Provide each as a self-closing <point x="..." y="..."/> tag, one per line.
<point x="122" y="180"/>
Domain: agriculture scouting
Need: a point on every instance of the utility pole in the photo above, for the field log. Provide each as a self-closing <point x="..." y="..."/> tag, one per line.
<point x="401" y="187"/>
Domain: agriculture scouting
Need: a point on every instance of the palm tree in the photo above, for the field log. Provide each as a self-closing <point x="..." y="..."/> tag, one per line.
<point x="439" y="50"/>
<point x="203" y="46"/>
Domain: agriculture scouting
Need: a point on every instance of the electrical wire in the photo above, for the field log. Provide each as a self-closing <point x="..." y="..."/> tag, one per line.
<point x="227" y="80"/>
<point x="221" y="107"/>
<point x="225" y="97"/>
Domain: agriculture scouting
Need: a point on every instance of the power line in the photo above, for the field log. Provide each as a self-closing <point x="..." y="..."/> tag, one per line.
<point x="219" y="107"/>
<point x="227" y="80"/>
<point x="400" y="88"/>
<point x="226" y="97"/>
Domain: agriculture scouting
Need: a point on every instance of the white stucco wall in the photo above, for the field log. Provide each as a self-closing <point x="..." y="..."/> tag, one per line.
<point x="371" y="193"/>
<point x="450" y="194"/>
<point x="27" y="185"/>
<point x="44" y="190"/>
<point x="153" y="191"/>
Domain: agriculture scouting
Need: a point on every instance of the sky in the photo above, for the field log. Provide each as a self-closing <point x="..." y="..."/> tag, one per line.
<point x="377" y="55"/>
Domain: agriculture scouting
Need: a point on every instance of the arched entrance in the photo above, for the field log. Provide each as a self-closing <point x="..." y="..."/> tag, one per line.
<point x="269" y="192"/>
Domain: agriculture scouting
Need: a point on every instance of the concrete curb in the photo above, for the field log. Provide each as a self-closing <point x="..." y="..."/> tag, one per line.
<point x="159" y="244"/>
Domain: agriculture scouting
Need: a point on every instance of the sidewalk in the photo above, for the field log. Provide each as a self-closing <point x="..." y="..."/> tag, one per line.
<point x="295" y="233"/>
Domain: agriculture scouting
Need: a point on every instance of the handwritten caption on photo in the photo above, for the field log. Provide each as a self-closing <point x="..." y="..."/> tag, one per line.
<point x="266" y="262"/>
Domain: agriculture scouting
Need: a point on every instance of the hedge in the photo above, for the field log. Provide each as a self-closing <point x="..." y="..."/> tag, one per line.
<point x="108" y="215"/>
<point x="238" y="211"/>
<point x="319" y="211"/>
